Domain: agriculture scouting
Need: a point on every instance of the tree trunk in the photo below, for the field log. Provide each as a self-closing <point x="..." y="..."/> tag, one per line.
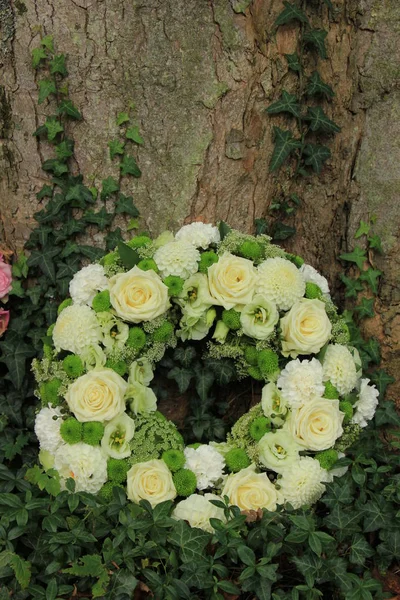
<point x="200" y="74"/>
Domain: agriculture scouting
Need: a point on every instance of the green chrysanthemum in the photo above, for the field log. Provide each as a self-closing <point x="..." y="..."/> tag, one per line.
<point x="255" y="373"/>
<point x="119" y="366"/>
<point x="313" y="291"/>
<point x="236" y="460"/>
<point x="297" y="260"/>
<point x="139" y="241"/>
<point x="327" y="458"/>
<point x="331" y="392"/>
<point x="101" y="301"/>
<point x="49" y="392"/>
<point x="207" y="259"/>
<point x="231" y="318"/>
<point x="259" y="427"/>
<point x="148" y="264"/>
<point x="347" y="409"/>
<point x="136" y="338"/>
<point x="106" y="492"/>
<point x="174" y="459"/>
<point x="92" y="432"/>
<point x="64" y="304"/>
<point x="109" y="259"/>
<point x="71" y="431"/>
<point x="268" y="362"/>
<point x="251" y="250"/>
<point x="174" y="284"/>
<point x="185" y="482"/>
<point x="250" y="355"/>
<point x="73" y="366"/>
<point x="164" y="332"/>
<point x="117" y="469"/>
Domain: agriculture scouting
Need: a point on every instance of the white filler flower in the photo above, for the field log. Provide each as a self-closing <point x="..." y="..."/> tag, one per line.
<point x="200" y="235"/>
<point x="366" y="404"/>
<point x="76" y="328"/>
<point x="86" y="283"/>
<point x="47" y="428"/>
<point x="301" y="483"/>
<point x="177" y="258"/>
<point x="281" y="282"/>
<point x="197" y="511"/>
<point x="301" y="381"/>
<point x="206" y="463"/>
<point x="311" y="275"/>
<point x="87" y="465"/>
<point x="339" y="368"/>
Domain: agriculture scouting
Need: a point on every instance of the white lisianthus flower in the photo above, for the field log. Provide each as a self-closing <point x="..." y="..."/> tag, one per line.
<point x="311" y="275"/>
<point x="278" y="450"/>
<point x="141" y="398"/>
<point x="86" y="464"/>
<point x="250" y="490"/>
<point x="220" y="332"/>
<point x="93" y="357"/>
<point x="194" y="327"/>
<point x="339" y="368"/>
<point x="97" y="396"/>
<point x="178" y="258"/>
<point x="301" y="381"/>
<point x="141" y="372"/>
<point x="200" y="235"/>
<point x="305" y="328"/>
<point x="138" y="295"/>
<point x="115" y="332"/>
<point x="86" y="283"/>
<point x="150" y="480"/>
<point x="317" y="424"/>
<point x="280" y="281"/>
<point x="76" y="328"/>
<point x="259" y="317"/>
<point x="222" y="447"/>
<point x="164" y="238"/>
<point x="366" y="404"/>
<point x="274" y="406"/>
<point x="206" y="463"/>
<point x="197" y="511"/>
<point x="232" y="281"/>
<point x="195" y="297"/>
<point x="47" y="428"/>
<point x="117" y="434"/>
<point x="302" y="483"/>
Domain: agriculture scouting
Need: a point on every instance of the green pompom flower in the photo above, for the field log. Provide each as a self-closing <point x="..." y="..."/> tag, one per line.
<point x="331" y="392"/>
<point x="348" y="411"/>
<point x="148" y="264"/>
<point x="174" y="459"/>
<point x="251" y="250"/>
<point x="250" y="355"/>
<point x="73" y="366"/>
<point x="117" y="469"/>
<point x="164" y="332"/>
<point x="139" y="241"/>
<point x="236" y="460"/>
<point x="71" y="430"/>
<point x="268" y="362"/>
<point x="106" y="492"/>
<point x="119" y="366"/>
<point x="327" y="458"/>
<point x="49" y="392"/>
<point x="101" y="301"/>
<point x="174" y="285"/>
<point x="185" y="482"/>
<point x="231" y="318"/>
<point x="92" y="432"/>
<point x="259" y="427"/>
<point x="295" y="259"/>
<point x="255" y="373"/>
<point x="313" y="291"/>
<point x="64" y="304"/>
<point x="109" y="259"/>
<point x="207" y="259"/>
<point x="136" y="338"/>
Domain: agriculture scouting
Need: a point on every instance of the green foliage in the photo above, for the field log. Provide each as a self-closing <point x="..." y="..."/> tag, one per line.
<point x="285" y="145"/>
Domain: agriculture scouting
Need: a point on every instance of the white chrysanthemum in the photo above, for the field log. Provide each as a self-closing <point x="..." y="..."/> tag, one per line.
<point x="200" y="235"/>
<point x="301" y="483"/>
<point x="197" y="511"/>
<point x="301" y="381"/>
<point x="47" y="428"/>
<point x="86" y="464"/>
<point x="311" y="275"/>
<point x="206" y="463"/>
<point x="76" y="328"/>
<point x="366" y="404"/>
<point x="177" y="258"/>
<point x="86" y="283"/>
<point x="280" y="281"/>
<point x="339" y="368"/>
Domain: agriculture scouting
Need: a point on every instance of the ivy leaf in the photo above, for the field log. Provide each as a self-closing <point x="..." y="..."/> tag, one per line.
<point x="182" y="377"/>
<point x="377" y="514"/>
<point x="190" y="541"/>
<point x="391" y="543"/>
<point x="223" y="229"/>
<point x="338" y="493"/>
<point x="381" y="380"/>
<point x="185" y="355"/>
<point x="79" y="196"/>
<point x="116" y="147"/>
<point x="285" y="145"/>
<point x="317" y="86"/>
<point x="353" y="286"/>
<point x="371" y="276"/>
<point x="132" y="133"/>
<point x="48" y="42"/>
<point x="46" y="87"/>
<point x="65" y="149"/>
<point x="57" y="65"/>
<point x="124" y="205"/>
<point x="91" y="252"/>
<point x="282" y="231"/>
<point x="101" y="218"/>
<point x="357" y="256"/>
<point x="44" y="260"/>
<point x="122" y="117"/>
<point x="375" y="242"/>
<point x="45" y="192"/>
<point x="363" y="229"/>
<point x="17" y="289"/>
<point x="223" y="369"/>
<point x="66" y="107"/>
<point x="360" y="550"/>
<point x="366" y="308"/>
<point x="15" y="354"/>
<point x="291" y="12"/>
<point x="204" y="381"/>
<point x="109" y="186"/>
<point x="38" y="54"/>
<point x="293" y="62"/>
<point x="316" y="38"/>
<point x="129" y="257"/>
<point x="286" y="103"/>
<point x="129" y="166"/>
<point x="317" y="155"/>
<point x="53" y="127"/>
<point x="91" y="565"/>
<point x="113" y="238"/>
<point x="319" y="121"/>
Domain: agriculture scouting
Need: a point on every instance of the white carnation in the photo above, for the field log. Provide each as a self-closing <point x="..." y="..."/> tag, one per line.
<point x="47" y="428"/>
<point x="206" y="463"/>
<point x="76" y="328"/>
<point x="366" y="404"/>
<point x="301" y="381"/>
<point x="311" y="275"/>
<point x="340" y="368"/>
<point x="177" y="258"/>
<point x="200" y="235"/>
<point x="86" y="283"/>
<point x="197" y="511"/>
<point x="280" y="281"/>
<point x="301" y="483"/>
<point x="85" y="464"/>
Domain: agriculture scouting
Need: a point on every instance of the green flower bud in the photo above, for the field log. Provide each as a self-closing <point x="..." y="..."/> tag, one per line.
<point x="164" y="332"/>
<point x="221" y="331"/>
<point x="231" y="318"/>
<point x="148" y="264"/>
<point x="117" y="469"/>
<point x="71" y="431"/>
<point x="251" y="250"/>
<point x="174" y="459"/>
<point x="101" y="301"/>
<point x="236" y="460"/>
<point x="313" y="291"/>
<point x="92" y="432"/>
<point x="185" y="482"/>
<point x="136" y="338"/>
<point x="207" y="259"/>
<point x="64" y="304"/>
<point x="259" y="428"/>
<point x="174" y="285"/>
<point x="327" y="458"/>
<point x="73" y="366"/>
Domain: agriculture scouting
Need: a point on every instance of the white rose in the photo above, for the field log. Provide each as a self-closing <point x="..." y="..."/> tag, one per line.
<point x="150" y="480"/>
<point x="273" y="405"/>
<point x="232" y="281"/>
<point x="197" y="511"/>
<point x="138" y="295"/>
<point x="277" y="450"/>
<point x="97" y="396"/>
<point x="250" y="490"/>
<point x="258" y="319"/>
<point x="305" y="328"/>
<point x="317" y="424"/>
<point x="117" y="435"/>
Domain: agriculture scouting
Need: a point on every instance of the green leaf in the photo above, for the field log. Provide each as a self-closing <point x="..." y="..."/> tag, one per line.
<point x="44" y="260"/>
<point x="66" y="107"/>
<point x="353" y="286"/>
<point x="129" y="166"/>
<point x="124" y="205"/>
<point x="293" y="62"/>
<point x="53" y="127"/>
<point x="286" y="103"/>
<point x="366" y="308"/>
<point x="65" y="149"/>
<point x="55" y="166"/>
<point x="317" y="86"/>
<point x="375" y="242"/>
<point x="38" y="54"/>
<point x="316" y="155"/>
<point x="185" y="355"/>
<point x="113" y="238"/>
<point x="101" y="218"/>
<point x="371" y="276"/>
<point x="129" y="257"/>
<point x="246" y="555"/>
<point x="391" y="543"/>
<point x="319" y="120"/>
<point x="17" y="289"/>
<point x="344" y="519"/>
<point x="204" y="381"/>
<point x="109" y="186"/>
<point x="382" y="380"/>
<point x="57" y="65"/>
<point x="285" y="145"/>
<point x="182" y="377"/>
<point x="91" y="565"/>
<point x="45" y="192"/>
<point x="363" y="229"/>
<point x="229" y="587"/>
<point x="20" y="267"/>
<point x="190" y="541"/>
<point x="357" y="256"/>
<point x="48" y="42"/>
<point x="377" y="514"/>
<point x="14" y="357"/>
<point x="282" y="231"/>
<point x="223" y="229"/>
<point x="132" y="133"/>
<point x="122" y="117"/>
<point x="116" y="147"/>
<point x="46" y="88"/>
<point x="51" y="590"/>
<point x="79" y="195"/>
<point x="360" y="550"/>
<point x="291" y="12"/>
<point x="316" y="38"/>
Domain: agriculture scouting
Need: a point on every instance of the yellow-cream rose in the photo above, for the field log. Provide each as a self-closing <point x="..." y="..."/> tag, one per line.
<point x="317" y="424"/>
<point x="97" y="396"/>
<point x="305" y="328"/>
<point x="150" y="480"/>
<point x="232" y="280"/>
<point x="138" y="295"/>
<point x="250" y="490"/>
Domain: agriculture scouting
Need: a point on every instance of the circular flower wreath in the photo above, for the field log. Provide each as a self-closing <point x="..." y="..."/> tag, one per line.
<point x="261" y="307"/>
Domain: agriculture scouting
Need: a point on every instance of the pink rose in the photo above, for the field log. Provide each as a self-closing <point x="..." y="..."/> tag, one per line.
<point x="4" y="318"/>
<point x="5" y="278"/>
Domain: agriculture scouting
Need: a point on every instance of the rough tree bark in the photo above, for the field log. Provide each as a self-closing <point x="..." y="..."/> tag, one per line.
<point x="201" y="73"/>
